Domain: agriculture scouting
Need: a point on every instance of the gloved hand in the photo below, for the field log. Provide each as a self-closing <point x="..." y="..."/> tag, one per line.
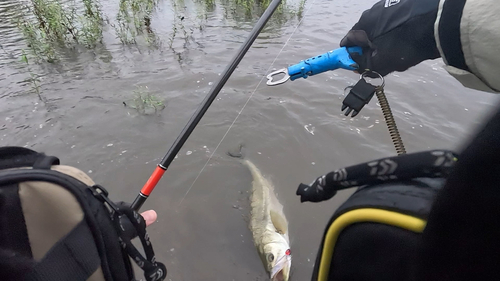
<point x="395" y="35"/>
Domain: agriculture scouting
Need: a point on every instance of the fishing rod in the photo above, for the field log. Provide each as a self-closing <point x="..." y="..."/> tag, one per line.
<point x="205" y="104"/>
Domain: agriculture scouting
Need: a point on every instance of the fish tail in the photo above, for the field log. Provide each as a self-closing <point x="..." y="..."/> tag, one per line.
<point x="253" y="169"/>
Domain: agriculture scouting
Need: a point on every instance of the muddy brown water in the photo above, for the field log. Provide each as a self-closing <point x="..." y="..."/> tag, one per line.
<point x="293" y="132"/>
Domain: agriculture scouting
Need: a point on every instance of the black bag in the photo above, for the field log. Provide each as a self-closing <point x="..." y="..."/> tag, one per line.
<point x="57" y="224"/>
<point x="377" y="233"/>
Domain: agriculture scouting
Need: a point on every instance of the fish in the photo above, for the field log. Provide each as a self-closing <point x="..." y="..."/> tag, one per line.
<point x="269" y="227"/>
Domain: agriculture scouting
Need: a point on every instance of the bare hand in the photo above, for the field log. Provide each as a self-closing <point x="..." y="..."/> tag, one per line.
<point x="149" y="216"/>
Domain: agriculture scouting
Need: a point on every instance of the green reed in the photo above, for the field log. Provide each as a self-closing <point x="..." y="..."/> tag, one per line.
<point x="34" y="80"/>
<point x="48" y="26"/>
<point x="302" y="4"/>
<point x="251" y="10"/>
<point x="133" y="19"/>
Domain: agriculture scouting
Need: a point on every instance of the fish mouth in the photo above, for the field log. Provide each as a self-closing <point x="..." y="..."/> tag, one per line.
<point x="280" y="271"/>
<point x="278" y="276"/>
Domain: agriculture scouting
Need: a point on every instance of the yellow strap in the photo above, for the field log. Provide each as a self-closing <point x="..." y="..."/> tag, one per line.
<point x="363" y="215"/>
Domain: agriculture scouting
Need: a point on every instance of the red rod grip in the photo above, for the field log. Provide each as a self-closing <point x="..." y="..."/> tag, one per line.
<point x="152" y="181"/>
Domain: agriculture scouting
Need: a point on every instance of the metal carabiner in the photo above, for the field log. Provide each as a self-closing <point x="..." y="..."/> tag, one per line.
<point x="270" y="81"/>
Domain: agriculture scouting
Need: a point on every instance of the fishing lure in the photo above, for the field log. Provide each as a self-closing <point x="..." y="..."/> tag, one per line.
<point x="335" y="59"/>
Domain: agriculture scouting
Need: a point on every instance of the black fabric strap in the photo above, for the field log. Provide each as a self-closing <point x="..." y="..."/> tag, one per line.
<point x="13" y="233"/>
<point x="129" y="224"/>
<point x="14" y="266"/>
<point x="449" y="33"/>
<point x="45" y="162"/>
<point x="73" y="258"/>
<point x="15" y="250"/>
<point x="15" y="157"/>
<point x="431" y="164"/>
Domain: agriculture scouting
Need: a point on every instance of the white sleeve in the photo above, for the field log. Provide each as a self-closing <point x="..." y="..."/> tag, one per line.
<point x="468" y="37"/>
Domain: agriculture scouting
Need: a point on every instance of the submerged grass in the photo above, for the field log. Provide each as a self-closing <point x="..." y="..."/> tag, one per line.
<point x="48" y="26"/>
<point x="145" y="102"/>
<point x="133" y="19"/>
<point x="34" y="80"/>
<point x="51" y="27"/>
<point x="248" y="10"/>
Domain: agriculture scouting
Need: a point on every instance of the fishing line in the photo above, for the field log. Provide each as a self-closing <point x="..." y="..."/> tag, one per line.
<point x="249" y="98"/>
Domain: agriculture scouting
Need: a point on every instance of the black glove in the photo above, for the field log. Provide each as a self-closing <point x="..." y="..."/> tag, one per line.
<point x="395" y="35"/>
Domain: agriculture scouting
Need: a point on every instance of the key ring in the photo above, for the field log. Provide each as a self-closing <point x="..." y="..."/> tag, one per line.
<point x="364" y="74"/>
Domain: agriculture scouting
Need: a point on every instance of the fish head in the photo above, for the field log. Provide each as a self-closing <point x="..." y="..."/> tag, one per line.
<point x="278" y="259"/>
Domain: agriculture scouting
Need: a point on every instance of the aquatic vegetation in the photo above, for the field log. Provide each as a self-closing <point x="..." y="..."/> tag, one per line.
<point x="52" y="29"/>
<point x="37" y="41"/>
<point x="145" y="102"/>
<point x="134" y="18"/>
<point x="35" y="86"/>
<point x="248" y="10"/>
<point x="180" y="22"/>
<point x="92" y="24"/>
<point x="301" y="8"/>
<point x="48" y="25"/>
